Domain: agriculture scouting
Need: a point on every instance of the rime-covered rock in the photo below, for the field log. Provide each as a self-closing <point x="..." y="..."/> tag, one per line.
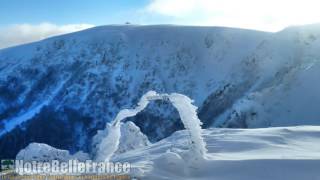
<point x="44" y="153"/>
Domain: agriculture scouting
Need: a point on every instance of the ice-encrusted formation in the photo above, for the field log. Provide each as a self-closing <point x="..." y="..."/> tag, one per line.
<point x="108" y="141"/>
<point x="190" y="120"/>
<point x="43" y="153"/>
<point x="131" y="138"/>
<point x="110" y="138"/>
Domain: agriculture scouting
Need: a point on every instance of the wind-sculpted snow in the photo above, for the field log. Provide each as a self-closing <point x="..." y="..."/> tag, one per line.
<point x="285" y="153"/>
<point x="188" y="114"/>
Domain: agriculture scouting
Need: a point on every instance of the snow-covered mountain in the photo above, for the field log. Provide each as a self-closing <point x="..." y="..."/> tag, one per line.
<point x="61" y="90"/>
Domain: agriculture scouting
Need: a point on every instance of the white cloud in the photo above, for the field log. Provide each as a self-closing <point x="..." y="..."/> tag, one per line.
<point x="269" y="15"/>
<point x="177" y="8"/>
<point x="24" y="33"/>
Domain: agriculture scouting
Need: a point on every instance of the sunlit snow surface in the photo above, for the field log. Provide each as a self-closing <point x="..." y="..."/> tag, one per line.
<point x="288" y="153"/>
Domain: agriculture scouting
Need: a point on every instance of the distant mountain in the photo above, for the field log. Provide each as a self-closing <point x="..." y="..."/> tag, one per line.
<point x="61" y="90"/>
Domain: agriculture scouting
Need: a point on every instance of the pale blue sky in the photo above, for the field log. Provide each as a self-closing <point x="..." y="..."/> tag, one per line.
<point x="68" y="11"/>
<point x="24" y="21"/>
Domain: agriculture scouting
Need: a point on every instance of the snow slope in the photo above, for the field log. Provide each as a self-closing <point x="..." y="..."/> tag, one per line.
<point x="107" y="68"/>
<point x="285" y="92"/>
<point x="287" y="153"/>
<point x="238" y="79"/>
